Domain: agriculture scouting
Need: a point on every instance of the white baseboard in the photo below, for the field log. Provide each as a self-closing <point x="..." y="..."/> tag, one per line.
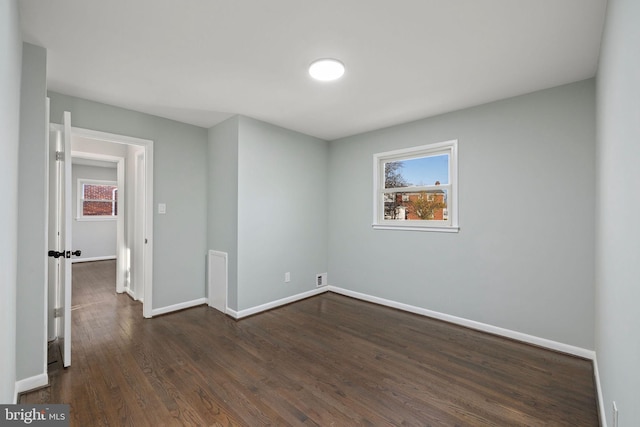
<point x="31" y="383"/>
<point x="601" y="411"/>
<point x="273" y="304"/>
<point x="95" y="258"/>
<point x="519" y="336"/>
<point x="496" y="330"/>
<point x="176" y="307"/>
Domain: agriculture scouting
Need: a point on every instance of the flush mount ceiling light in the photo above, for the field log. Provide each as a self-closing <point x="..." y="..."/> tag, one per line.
<point x="326" y="69"/>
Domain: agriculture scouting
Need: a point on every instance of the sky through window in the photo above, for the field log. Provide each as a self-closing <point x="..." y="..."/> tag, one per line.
<point x="426" y="170"/>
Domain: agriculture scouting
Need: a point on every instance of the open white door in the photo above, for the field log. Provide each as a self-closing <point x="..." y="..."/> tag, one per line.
<point x="60" y="236"/>
<point x="52" y="234"/>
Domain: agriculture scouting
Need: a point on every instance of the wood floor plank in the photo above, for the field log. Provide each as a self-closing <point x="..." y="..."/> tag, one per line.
<point x="325" y="361"/>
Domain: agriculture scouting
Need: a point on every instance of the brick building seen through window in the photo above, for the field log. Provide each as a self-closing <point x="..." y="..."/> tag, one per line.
<point x="422" y="205"/>
<point x="99" y="200"/>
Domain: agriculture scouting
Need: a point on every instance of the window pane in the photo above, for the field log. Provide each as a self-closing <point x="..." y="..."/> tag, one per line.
<point x="99" y="200"/>
<point x="96" y="208"/>
<point x="99" y="192"/>
<point x="416" y="206"/>
<point x="422" y="171"/>
<point x="393" y="177"/>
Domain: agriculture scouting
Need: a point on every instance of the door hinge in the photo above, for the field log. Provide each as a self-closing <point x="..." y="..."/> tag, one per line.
<point x="59" y="155"/>
<point x="57" y="312"/>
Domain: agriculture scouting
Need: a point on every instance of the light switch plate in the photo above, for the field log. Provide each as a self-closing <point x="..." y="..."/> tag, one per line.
<point x="162" y="208"/>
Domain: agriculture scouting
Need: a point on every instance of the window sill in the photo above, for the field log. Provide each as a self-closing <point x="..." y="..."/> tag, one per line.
<point x="100" y="218"/>
<point x="447" y="229"/>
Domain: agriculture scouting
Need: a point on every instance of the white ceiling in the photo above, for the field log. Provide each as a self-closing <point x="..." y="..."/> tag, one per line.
<point x="201" y="61"/>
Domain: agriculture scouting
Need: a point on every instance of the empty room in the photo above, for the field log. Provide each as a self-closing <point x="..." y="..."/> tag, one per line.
<point x="334" y="213"/>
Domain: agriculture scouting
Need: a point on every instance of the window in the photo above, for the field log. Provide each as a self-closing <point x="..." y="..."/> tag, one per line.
<point x="97" y="199"/>
<point x="416" y="188"/>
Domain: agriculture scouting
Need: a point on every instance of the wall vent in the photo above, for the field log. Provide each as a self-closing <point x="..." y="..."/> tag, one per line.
<point x="217" y="280"/>
<point x="321" y="279"/>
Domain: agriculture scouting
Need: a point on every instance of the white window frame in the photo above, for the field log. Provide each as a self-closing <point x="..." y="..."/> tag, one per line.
<point x="451" y="224"/>
<point x="80" y="216"/>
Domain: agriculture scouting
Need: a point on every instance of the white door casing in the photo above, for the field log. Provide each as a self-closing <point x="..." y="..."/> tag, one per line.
<point x="53" y="264"/>
<point x="66" y="240"/>
<point x="138" y="227"/>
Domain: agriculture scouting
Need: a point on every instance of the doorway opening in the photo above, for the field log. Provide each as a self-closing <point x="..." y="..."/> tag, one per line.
<point x="131" y="204"/>
<point x="135" y="178"/>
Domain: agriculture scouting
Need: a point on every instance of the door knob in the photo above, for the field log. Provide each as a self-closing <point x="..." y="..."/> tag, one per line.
<point x="64" y="254"/>
<point x="56" y="254"/>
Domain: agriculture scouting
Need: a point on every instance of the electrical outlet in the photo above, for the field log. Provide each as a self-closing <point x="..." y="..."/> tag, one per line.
<point x="614" y="415"/>
<point x="287" y="277"/>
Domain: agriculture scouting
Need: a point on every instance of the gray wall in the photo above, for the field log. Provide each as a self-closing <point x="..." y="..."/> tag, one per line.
<point x="267" y="209"/>
<point x="523" y="259"/>
<point x="180" y="181"/>
<point x="223" y="199"/>
<point x="95" y="238"/>
<point x="31" y="335"/>
<point x="282" y="212"/>
<point x="618" y="232"/>
<point x="10" y="66"/>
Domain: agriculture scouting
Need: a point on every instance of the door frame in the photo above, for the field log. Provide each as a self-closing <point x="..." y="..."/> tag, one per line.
<point x="147" y="145"/>
<point x="137" y="224"/>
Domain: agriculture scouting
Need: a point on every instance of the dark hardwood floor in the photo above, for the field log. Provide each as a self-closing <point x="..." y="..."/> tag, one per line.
<point x="328" y="360"/>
